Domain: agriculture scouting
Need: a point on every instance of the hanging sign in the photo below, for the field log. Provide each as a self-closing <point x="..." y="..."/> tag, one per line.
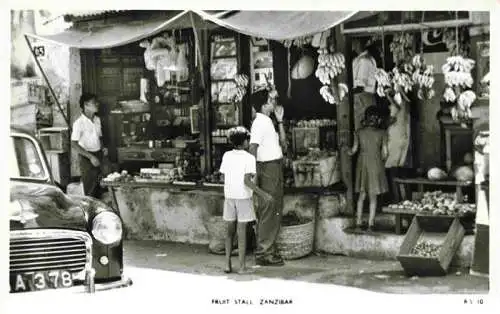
<point x="39" y="51"/>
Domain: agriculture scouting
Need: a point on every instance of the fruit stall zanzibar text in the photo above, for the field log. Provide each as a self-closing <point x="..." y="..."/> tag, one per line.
<point x="244" y="301"/>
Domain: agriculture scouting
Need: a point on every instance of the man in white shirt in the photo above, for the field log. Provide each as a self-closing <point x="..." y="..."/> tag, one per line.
<point x="364" y="68"/>
<point x="86" y="139"/>
<point x="266" y="145"/>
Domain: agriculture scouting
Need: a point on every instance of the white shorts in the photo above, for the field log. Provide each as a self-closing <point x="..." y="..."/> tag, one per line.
<point x="240" y="210"/>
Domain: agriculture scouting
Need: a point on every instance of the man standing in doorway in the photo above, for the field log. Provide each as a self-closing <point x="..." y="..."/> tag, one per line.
<point x="266" y="143"/>
<point x="364" y="68"/>
<point x="86" y="138"/>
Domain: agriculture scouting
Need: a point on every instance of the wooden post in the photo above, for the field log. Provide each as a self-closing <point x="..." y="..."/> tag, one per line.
<point x="344" y="118"/>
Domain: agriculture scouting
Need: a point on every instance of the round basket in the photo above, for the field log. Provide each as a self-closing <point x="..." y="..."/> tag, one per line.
<point x="217" y="230"/>
<point x="296" y="241"/>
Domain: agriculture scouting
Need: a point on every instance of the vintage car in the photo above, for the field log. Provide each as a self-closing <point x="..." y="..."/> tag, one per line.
<point x="57" y="240"/>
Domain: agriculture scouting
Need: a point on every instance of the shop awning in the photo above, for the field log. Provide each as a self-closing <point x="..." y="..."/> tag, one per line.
<point x="281" y="25"/>
<point x="108" y="36"/>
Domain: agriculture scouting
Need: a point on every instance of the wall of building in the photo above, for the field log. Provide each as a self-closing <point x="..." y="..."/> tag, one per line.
<point x="62" y="67"/>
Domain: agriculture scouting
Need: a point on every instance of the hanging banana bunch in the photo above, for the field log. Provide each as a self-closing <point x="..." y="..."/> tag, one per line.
<point x="241" y="81"/>
<point x="330" y="65"/>
<point x="458" y="78"/>
<point x="423" y="78"/>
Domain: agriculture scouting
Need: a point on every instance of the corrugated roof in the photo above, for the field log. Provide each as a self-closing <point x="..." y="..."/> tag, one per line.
<point x="72" y="15"/>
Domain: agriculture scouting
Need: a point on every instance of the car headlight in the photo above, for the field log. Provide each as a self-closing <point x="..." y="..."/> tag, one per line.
<point x="107" y="228"/>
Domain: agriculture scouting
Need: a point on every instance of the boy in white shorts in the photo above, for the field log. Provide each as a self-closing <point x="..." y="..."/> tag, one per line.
<point x="238" y="167"/>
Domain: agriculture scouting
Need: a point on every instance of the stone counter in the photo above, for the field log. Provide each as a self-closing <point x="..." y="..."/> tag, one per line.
<point x="162" y="211"/>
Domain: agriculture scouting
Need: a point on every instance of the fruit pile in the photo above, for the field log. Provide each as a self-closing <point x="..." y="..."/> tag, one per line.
<point x="315" y="123"/>
<point x="437" y="203"/>
<point x="155" y="174"/>
<point x="331" y="65"/>
<point x="316" y="154"/>
<point x="119" y="177"/>
<point x="215" y="177"/>
<point x="426" y="249"/>
<point x="293" y="219"/>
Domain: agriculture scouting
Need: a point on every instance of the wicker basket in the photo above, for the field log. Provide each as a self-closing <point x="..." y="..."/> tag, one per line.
<point x="296" y="241"/>
<point x="217" y="230"/>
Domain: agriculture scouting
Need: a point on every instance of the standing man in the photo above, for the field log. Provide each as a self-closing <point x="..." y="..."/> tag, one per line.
<point x="86" y="139"/>
<point x="364" y="68"/>
<point x="266" y="143"/>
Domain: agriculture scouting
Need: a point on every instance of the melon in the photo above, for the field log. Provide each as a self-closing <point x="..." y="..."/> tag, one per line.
<point x="436" y="174"/>
<point x="303" y="68"/>
<point x="468" y="159"/>
<point x="464" y="173"/>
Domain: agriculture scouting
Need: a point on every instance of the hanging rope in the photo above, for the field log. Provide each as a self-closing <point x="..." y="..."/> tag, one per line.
<point x="289" y="90"/>
<point x="422" y="33"/>
<point x="383" y="47"/>
<point x="456" y="34"/>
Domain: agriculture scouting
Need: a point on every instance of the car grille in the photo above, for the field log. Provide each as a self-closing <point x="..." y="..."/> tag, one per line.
<point x="45" y="250"/>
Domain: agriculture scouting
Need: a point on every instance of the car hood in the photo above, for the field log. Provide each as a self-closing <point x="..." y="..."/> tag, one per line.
<point x="35" y="205"/>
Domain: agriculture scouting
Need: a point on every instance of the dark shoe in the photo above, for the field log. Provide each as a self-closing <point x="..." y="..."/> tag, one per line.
<point x="268" y="261"/>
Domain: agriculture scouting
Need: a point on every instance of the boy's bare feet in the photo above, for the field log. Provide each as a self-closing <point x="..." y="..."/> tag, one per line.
<point x="243" y="271"/>
<point x="228" y="268"/>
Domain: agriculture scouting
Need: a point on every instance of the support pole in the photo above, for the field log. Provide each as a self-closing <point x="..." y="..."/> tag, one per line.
<point x="47" y="81"/>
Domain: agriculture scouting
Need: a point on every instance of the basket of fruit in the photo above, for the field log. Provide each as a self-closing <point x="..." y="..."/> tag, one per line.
<point x="318" y="168"/>
<point x="296" y="236"/>
<point x="435" y="203"/>
<point x="428" y="250"/>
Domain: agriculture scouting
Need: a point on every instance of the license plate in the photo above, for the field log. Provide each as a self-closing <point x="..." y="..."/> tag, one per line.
<point x="35" y="281"/>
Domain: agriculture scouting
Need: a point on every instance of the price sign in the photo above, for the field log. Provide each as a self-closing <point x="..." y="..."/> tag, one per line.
<point x="39" y="51"/>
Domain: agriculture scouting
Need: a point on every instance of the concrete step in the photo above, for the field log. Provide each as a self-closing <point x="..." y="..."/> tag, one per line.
<point x="331" y="237"/>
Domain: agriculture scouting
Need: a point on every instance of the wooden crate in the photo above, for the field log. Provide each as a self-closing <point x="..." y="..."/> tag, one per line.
<point x="324" y="172"/>
<point x="430" y="266"/>
<point x="55" y="139"/>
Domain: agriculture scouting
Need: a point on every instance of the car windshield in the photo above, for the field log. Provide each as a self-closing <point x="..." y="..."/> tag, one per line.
<point x="25" y="160"/>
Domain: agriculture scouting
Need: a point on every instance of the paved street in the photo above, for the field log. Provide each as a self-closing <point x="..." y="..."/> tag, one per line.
<point x="379" y="276"/>
<point x="172" y="275"/>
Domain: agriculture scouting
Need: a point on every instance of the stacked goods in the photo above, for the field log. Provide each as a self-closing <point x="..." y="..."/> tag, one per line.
<point x="426" y="249"/>
<point x="317" y="168"/>
<point x="119" y="177"/>
<point x="329" y="66"/>
<point x="437" y="203"/>
<point x="164" y="175"/>
<point x="315" y="123"/>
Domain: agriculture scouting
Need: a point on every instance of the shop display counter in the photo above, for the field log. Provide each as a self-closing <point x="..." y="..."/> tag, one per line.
<point x="180" y="211"/>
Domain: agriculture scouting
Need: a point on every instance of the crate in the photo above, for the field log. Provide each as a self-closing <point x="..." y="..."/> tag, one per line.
<point x="321" y="173"/>
<point x="304" y="138"/>
<point x="55" y="139"/>
<point x="427" y="227"/>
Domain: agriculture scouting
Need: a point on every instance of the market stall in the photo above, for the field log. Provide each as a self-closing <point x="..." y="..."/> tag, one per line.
<point x="170" y="94"/>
